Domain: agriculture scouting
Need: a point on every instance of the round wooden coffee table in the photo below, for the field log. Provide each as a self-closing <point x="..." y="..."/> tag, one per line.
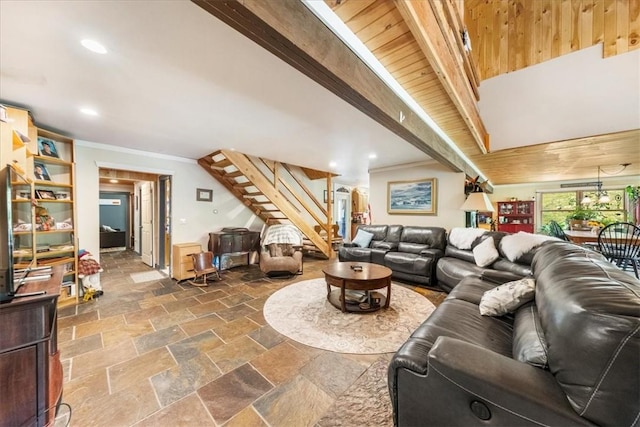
<point x="357" y="276"/>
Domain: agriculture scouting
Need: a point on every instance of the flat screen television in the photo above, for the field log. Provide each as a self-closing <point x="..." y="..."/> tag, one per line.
<point x="7" y="290"/>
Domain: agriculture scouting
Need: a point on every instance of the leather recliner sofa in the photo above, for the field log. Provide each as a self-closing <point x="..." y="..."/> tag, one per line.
<point x="457" y="264"/>
<point x="411" y="252"/>
<point x="458" y="367"/>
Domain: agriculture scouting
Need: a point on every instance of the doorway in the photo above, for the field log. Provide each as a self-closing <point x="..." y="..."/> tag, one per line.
<point x="148" y="213"/>
<point x="342" y="213"/>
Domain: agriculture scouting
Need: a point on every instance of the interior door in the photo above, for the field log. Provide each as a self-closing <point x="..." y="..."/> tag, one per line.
<point x="342" y="214"/>
<point x="146" y="223"/>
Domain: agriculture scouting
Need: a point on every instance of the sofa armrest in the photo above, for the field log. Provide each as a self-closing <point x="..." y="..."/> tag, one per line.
<point x="350" y="245"/>
<point x="508" y="391"/>
<point x="389" y="246"/>
<point x="499" y="277"/>
<point x="432" y="253"/>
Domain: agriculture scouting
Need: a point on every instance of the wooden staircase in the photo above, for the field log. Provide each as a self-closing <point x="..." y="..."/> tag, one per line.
<point x="276" y="192"/>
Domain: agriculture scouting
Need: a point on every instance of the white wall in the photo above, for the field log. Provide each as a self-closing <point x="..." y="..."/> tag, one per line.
<point x="450" y="195"/>
<point x="199" y="217"/>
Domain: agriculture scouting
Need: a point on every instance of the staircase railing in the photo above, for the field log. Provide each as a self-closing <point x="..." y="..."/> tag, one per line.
<point x="276" y="192"/>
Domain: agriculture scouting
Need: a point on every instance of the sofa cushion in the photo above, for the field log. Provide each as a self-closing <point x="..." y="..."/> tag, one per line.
<point x="485" y="253"/>
<point x="529" y="344"/>
<point x="409" y="263"/>
<point x="363" y="238"/>
<point x="471" y="289"/>
<point x="507" y="297"/>
<point x="356" y="254"/>
<point x="412" y="248"/>
<point x="590" y="313"/>
<point x="460" y="319"/>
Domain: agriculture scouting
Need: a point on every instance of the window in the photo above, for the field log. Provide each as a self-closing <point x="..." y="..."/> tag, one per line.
<point x="558" y="206"/>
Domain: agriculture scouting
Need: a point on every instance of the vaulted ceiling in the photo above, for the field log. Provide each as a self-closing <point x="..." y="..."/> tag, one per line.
<point x="178" y="81"/>
<point x="508" y="36"/>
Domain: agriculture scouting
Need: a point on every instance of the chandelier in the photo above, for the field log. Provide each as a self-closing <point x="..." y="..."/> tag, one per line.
<point x="601" y="195"/>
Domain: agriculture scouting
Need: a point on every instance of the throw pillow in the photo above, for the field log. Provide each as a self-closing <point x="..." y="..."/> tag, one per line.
<point x="507" y="297"/>
<point x="363" y="238"/>
<point x="280" y="249"/>
<point x="485" y="253"/>
<point x="287" y="249"/>
<point x="529" y="344"/>
<point x="275" y="249"/>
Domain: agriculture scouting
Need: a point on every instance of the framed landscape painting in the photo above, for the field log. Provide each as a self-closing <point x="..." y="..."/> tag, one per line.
<point x="412" y="197"/>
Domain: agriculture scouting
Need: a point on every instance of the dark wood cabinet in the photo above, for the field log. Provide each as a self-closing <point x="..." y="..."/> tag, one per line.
<point x="515" y="216"/>
<point x="30" y="368"/>
<point x="233" y="241"/>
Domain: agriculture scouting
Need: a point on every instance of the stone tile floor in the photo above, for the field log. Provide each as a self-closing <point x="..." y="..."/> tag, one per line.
<point x="166" y="353"/>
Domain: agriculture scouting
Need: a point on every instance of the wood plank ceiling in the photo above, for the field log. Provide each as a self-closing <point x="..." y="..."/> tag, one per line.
<point x="506" y="35"/>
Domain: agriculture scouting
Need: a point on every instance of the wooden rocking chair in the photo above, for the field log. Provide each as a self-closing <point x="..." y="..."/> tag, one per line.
<point x="203" y="267"/>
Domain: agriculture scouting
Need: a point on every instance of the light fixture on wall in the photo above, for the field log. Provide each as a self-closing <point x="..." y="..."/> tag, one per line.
<point x="476" y="201"/>
<point x="601" y="195"/>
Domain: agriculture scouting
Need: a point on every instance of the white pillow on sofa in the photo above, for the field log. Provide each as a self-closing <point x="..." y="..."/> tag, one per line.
<point x="507" y="297"/>
<point x="363" y="238"/>
<point x="485" y="253"/>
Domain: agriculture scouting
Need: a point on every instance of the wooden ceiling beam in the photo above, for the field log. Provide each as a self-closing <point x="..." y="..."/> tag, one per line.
<point x="289" y="30"/>
<point x="429" y="26"/>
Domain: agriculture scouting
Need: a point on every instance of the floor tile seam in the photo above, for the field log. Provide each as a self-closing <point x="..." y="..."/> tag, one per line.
<point x="251" y="338"/>
<point x="204" y="405"/>
<point x="149" y="319"/>
<point x="261" y="374"/>
<point x="102" y="330"/>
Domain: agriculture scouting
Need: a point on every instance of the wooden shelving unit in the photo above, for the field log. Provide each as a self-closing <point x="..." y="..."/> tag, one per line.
<point x="55" y="235"/>
<point x="43" y="207"/>
<point x="515" y="216"/>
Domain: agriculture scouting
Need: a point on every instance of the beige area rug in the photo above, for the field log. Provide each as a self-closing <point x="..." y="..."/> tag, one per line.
<point x="146" y="276"/>
<point x="301" y="312"/>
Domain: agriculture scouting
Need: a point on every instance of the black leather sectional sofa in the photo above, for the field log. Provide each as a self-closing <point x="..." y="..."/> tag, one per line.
<point x="410" y="252"/>
<point x="459" y="368"/>
<point x="424" y="256"/>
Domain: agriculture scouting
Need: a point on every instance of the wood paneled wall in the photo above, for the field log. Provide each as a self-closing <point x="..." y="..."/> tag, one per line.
<point x="508" y="35"/>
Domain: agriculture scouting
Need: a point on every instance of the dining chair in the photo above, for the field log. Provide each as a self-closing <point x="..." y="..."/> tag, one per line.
<point x="620" y="243"/>
<point x="556" y="230"/>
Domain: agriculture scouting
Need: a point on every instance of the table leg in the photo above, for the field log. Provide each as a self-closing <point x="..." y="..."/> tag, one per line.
<point x="343" y="302"/>
<point x="386" y="305"/>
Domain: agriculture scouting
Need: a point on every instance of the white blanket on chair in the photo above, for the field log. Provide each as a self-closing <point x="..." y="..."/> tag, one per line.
<point x="462" y="238"/>
<point x="282" y="233"/>
<point x="515" y="245"/>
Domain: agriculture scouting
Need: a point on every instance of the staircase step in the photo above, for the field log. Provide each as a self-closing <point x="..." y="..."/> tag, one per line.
<point x="221" y="163"/>
<point x="233" y="174"/>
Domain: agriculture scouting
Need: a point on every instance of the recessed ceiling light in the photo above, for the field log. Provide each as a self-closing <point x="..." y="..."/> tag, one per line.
<point x="113" y="181"/>
<point x="373" y="156"/>
<point x="94" y="46"/>
<point x="332" y="164"/>
<point x="89" y="111"/>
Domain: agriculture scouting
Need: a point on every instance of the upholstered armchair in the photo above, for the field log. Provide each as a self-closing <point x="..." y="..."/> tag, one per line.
<point x="281" y="250"/>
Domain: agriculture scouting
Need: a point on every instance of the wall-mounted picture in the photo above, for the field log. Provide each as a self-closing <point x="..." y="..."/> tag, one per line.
<point x="40" y="172"/>
<point x="412" y="197"/>
<point x="204" y="195"/>
<point x="45" y="195"/>
<point x="47" y="147"/>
